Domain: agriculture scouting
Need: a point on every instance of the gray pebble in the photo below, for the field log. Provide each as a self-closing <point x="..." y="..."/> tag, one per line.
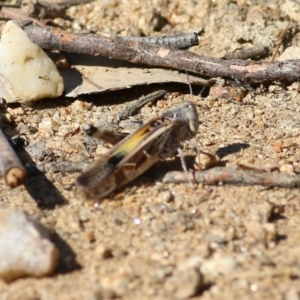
<point x="217" y="265"/>
<point x="185" y="283"/>
<point x="25" y="249"/>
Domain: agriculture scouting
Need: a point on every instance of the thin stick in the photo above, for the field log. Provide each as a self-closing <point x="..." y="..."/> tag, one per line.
<point x="227" y="175"/>
<point x="16" y="15"/>
<point x="11" y="168"/>
<point x="143" y="53"/>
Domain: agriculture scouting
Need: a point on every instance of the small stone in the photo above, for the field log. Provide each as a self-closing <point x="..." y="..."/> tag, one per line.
<point x="218" y="265"/>
<point x="101" y="293"/>
<point x="46" y="124"/>
<point x="26" y="129"/>
<point x="27" y="73"/>
<point x="103" y="252"/>
<point x="101" y="150"/>
<point x="116" y="284"/>
<point x="162" y="273"/>
<point x="25" y="249"/>
<point x="260" y="233"/>
<point x="292" y="294"/>
<point x="184" y="284"/>
<point x="228" y="92"/>
<point x="277" y="146"/>
<point x="84" y="215"/>
<point x="39" y="152"/>
<point x="9" y="118"/>
<point x="61" y="62"/>
<point x="292" y="52"/>
<point x="69" y="145"/>
<point x="118" y="222"/>
<point x="166" y="197"/>
<point x="65" y="130"/>
<point x="270" y="231"/>
<point x="56" y="117"/>
<point x="19" y="111"/>
<point x="287" y="168"/>
<point x="205" y="160"/>
<point x="90" y="236"/>
<point x="192" y="262"/>
<point x="80" y="105"/>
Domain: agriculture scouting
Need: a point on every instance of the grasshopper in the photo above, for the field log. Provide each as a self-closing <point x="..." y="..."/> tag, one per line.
<point x="136" y="153"/>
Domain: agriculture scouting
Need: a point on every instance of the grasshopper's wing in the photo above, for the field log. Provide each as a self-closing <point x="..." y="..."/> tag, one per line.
<point x="125" y="161"/>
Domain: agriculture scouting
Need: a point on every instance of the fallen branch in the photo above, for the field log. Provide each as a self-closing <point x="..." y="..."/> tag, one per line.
<point x="11" y="168"/>
<point x="143" y="53"/>
<point x="227" y="175"/>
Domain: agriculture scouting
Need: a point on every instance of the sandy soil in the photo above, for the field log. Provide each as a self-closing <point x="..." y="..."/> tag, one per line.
<point x="164" y="241"/>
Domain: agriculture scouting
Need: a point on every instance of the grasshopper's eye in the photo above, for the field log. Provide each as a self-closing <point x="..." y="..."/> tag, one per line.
<point x="155" y="124"/>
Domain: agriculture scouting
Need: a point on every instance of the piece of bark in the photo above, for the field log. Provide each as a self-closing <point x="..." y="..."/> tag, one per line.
<point x="228" y="175"/>
<point x="143" y="53"/>
<point x="90" y="74"/>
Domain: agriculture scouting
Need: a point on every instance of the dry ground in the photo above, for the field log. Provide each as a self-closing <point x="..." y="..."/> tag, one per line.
<point x="145" y="241"/>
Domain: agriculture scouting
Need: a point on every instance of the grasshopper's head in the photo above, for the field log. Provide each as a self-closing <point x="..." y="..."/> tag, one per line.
<point x="186" y="119"/>
<point x="189" y="111"/>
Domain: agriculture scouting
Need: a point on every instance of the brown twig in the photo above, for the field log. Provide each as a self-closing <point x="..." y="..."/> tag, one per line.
<point x="143" y="53"/>
<point x="11" y="168"/>
<point x="227" y="175"/>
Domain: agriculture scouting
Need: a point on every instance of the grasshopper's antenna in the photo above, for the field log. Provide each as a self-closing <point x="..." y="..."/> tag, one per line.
<point x="179" y="150"/>
<point x="188" y="80"/>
